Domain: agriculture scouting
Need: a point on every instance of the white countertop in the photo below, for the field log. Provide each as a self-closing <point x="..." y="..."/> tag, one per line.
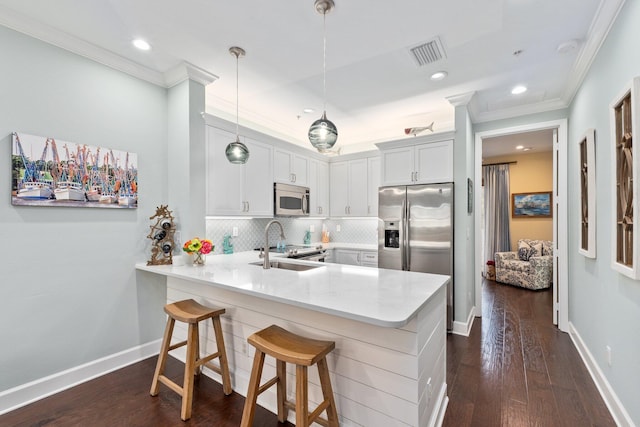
<point x="380" y="297"/>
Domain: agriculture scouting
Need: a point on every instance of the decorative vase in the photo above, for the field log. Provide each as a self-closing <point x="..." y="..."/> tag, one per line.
<point x="198" y="259"/>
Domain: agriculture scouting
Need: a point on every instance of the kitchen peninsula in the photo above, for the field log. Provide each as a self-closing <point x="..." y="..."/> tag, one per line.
<point x="388" y="368"/>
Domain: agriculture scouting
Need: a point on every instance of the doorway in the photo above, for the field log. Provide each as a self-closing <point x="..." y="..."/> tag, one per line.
<point x="558" y="132"/>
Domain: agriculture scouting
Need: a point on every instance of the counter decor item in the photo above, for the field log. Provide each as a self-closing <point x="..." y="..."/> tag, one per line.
<point x="162" y="236"/>
<point x="227" y="246"/>
<point x="307" y="237"/>
<point x="198" y="248"/>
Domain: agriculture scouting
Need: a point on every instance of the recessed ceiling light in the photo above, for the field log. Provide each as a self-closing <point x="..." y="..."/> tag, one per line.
<point x="141" y="44"/>
<point x="518" y="90"/>
<point x="526" y="149"/>
<point x="519" y="147"/>
<point x="439" y="75"/>
<point x="308" y="110"/>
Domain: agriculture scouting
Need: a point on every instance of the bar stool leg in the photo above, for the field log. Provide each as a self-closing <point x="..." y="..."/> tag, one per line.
<point x="327" y="392"/>
<point x="224" y="363"/>
<point x="302" y="397"/>
<point x="253" y="390"/>
<point x="162" y="357"/>
<point x="189" y="369"/>
<point x="281" y="387"/>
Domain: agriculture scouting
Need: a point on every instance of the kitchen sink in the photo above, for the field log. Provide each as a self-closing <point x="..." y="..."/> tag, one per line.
<point x="287" y="265"/>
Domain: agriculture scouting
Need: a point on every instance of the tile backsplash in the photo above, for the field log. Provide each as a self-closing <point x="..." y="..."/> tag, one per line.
<point x="251" y="231"/>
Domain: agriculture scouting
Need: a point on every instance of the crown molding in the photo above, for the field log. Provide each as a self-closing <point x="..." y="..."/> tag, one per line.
<point x="186" y="70"/>
<point x="523" y="110"/>
<point x="48" y="34"/>
<point x="602" y="23"/>
<point x="461" y="99"/>
<point x="58" y="38"/>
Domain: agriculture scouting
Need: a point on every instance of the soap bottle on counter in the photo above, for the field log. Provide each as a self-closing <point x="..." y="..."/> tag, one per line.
<point x="307" y="237"/>
<point x="227" y="246"/>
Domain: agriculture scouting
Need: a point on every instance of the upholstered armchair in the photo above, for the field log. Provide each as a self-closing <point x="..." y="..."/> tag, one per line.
<point x="531" y="267"/>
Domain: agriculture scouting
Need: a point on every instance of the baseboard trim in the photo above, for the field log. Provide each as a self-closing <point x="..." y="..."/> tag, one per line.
<point x="618" y="412"/>
<point x="442" y="407"/>
<point x="464" y="328"/>
<point x="25" y="394"/>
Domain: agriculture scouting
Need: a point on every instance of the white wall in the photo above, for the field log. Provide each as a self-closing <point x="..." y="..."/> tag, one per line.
<point x="604" y="305"/>
<point x="69" y="292"/>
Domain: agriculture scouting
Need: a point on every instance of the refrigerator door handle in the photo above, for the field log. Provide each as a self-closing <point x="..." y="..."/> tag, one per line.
<point x="403" y="237"/>
<point x="407" y="237"/>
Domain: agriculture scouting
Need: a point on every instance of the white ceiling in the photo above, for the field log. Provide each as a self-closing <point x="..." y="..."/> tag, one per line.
<point x="374" y="87"/>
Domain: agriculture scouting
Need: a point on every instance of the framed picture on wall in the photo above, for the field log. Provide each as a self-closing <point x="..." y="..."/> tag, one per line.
<point x="586" y="150"/>
<point x="531" y="205"/>
<point x="50" y="172"/>
<point x="469" y="196"/>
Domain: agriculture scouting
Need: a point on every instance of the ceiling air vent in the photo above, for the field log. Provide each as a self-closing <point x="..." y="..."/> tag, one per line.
<point x="428" y="52"/>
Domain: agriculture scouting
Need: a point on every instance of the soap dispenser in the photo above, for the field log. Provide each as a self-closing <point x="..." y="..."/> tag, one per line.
<point x="227" y="246"/>
<point x="307" y="237"/>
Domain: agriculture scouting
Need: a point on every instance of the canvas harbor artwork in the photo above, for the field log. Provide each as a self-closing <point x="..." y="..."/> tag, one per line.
<point x="529" y="205"/>
<point x="51" y="172"/>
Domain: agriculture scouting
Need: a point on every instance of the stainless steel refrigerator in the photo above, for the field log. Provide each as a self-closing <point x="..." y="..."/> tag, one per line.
<point x="415" y="231"/>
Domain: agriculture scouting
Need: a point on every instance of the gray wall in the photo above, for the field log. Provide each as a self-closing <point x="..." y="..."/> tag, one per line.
<point x="604" y="305"/>
<point x="68" y="286"/>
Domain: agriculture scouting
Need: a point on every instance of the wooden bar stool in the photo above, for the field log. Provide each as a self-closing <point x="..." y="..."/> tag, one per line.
<point x="286" y="347"/>
<point x="190" y="312"/>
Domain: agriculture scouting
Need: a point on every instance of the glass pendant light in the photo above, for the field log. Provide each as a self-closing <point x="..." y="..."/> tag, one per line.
<point x="236" y="151"/>
<point x="323" y="134"/>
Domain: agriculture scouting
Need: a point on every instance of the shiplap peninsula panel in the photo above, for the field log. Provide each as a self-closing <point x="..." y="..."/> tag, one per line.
<point x="381" y="376"/>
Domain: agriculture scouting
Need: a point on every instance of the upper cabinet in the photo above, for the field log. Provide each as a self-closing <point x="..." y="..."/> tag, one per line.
<point x="421" y="163"/>
<point x="290" y="168"/>
<point x="348" y="184"/>
<point x="238" y="189"/>
<point x="319" y="188"/>
<point x="373" y="184"/>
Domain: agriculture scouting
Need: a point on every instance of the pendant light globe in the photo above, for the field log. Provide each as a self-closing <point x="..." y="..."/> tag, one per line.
<point x="323" y="134"/>
<point x="236" y="152"/>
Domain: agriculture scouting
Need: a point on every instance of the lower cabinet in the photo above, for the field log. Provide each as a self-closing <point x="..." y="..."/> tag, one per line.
<point x="353" y="257"/>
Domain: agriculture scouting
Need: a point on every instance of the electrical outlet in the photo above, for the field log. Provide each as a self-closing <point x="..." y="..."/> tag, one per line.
<point x="234" y="232"/>
<point x="338" y="227"/>
<point x="312" y="228"/>
<point x="608" y="351"/>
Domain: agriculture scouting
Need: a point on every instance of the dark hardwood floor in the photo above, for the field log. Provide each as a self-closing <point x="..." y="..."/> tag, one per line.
<point x="516" y="369"/>
<point x="122" y="398"/>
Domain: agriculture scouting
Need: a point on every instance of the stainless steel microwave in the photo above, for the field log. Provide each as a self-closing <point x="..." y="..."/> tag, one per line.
<point x="290" y="200"/>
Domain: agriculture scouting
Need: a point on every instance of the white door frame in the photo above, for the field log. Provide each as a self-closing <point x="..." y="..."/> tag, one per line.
<point x="560" y="217"/>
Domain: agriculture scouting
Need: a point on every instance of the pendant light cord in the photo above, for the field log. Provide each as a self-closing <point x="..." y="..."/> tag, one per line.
<point x="237" y="98"/>
<point x="324" y="61"/>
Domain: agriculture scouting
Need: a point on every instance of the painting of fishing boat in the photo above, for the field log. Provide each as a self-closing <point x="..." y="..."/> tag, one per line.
<point x="50" y="172"/>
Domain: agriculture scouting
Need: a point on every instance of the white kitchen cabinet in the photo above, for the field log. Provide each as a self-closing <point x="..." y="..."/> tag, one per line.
<point x="346" y="256"/>
<point x="369" y="259"/>
<point x="354" y="257"/>
<point x="426" y="163"/>
<point x="238" y="189"/>
<point x="319" y="188"/>
<point x="373" y="183"/>
<point x="290" y="168"/>
<point x="348" y="188"/>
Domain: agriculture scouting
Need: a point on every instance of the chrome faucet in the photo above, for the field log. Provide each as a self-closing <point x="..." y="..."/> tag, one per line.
<point x="266" y="264"/>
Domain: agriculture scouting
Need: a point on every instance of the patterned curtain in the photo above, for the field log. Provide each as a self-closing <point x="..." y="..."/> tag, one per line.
<point x="496" y="210"/>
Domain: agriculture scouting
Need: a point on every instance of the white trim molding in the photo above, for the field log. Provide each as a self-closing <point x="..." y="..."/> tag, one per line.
<point x="618" y="412"/>
<point x="464" y="328"/>
<point x="25" y="394"/>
